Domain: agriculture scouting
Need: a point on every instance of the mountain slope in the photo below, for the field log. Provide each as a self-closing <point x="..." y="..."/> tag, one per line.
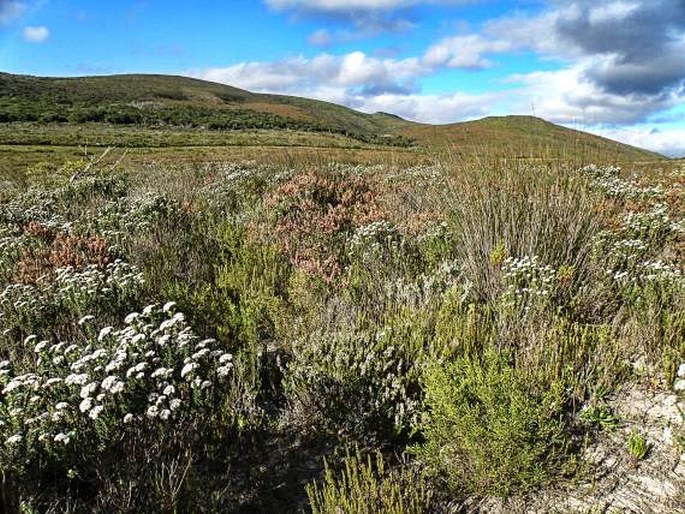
<point x="168" y="102"/>
<point x="521" y="136"/>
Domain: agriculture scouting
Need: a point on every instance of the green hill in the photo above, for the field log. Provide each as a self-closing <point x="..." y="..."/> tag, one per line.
<point x="172" y="103"/>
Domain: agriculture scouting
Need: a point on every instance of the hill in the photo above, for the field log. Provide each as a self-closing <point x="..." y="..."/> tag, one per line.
<point x="174" y="103"/>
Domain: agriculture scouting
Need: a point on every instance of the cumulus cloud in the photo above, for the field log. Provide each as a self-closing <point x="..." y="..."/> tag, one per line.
<point x="36" y="34"/>
<point x="367" y="17"/>
<point x="465" y="52"/>
<point x="566" y="96"/>
<point x="356" y="80"/>
<point x="10" y="10"/>
<point x="668" y="142"/>
<point x="632" y="49"/>
<point x="355" y="69"/>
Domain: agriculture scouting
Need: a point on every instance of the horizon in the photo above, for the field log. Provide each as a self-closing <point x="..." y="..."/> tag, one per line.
<point x="613" y="68"/>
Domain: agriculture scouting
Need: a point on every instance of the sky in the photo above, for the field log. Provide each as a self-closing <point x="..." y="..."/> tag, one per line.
<point x="614" y="68"/>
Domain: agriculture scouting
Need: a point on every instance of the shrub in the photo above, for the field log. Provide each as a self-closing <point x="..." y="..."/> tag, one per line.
<point x="526" y="211"/>
<point x="487" y="430"/>
<point x="365" y="486"/>
<point x="360" y="385"/>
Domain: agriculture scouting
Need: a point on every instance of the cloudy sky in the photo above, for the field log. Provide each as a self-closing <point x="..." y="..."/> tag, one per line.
<point x="616" y="68"/>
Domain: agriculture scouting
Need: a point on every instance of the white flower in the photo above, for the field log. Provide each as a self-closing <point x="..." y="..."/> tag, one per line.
<point x="109" y="381"/>
<point x="188" y="368"/>
<point x="128" y="418"/>
<point x="164" y="414"/>
<point x="681" y="371"/>
<point x="131" y="318"/>
<point x="152" y="411"/>
<point x="205" y="384"/>
<point x="138" y="338"/>
<point x="168" y="306"/>
<point x="679" y="385"/>
<point x="95" y="412"/>
<point x="84" y="319"/>
<point x="162" y="372"/>
<point x="169" y="390"/>
<point x="85" y="405"/>
<point x="174" y="404"/>
<point x="76" y="379"/>
<point x="88" y="389"/>
<point x="199" y="354"/>
<point x="4" y="364"/>
<point x="226" y="357"/>
<point x="13" y="439"/>
<point x="117" y="387"/>
<point x="62" y="438"/>
<point x="105" y="332"/>
<point x="51" y="381"/>
<point x="223" y="371"/>
<point x="148" y="309"/>
<point x="40" y="346"/>
<point x="61" y="405"/>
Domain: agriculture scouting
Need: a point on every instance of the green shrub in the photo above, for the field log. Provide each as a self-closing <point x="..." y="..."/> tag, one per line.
<point x="365" y="487"/>
<point x="487" y="430"/>
<point x="360" y="385"/>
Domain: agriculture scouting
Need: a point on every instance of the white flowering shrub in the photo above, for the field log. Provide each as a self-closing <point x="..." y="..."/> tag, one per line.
<point x="70" y="294"/>
<point x="362" y="385"/>
<point x="79" y="396"/>
<point x="128" y="215"/>
<point x="527" y="280"/>
<point x="375" y="240"/>
<point x="654" y="226"/>
<point x="607" y="180"/>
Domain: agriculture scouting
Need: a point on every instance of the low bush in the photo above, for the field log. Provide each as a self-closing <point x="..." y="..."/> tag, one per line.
<point x="365" y="486"/>
<point x="489" y="431"/>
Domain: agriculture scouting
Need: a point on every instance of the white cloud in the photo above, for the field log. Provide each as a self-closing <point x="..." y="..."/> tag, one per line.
<point x="36" y="34"/>
<point x="429" y="108"/>
<point x="10" y="10"/>
<point x="335" y="6"/>
<point x="669" y="142"/>
<point x="300" y="74"/>
<point x="465" y="51"/>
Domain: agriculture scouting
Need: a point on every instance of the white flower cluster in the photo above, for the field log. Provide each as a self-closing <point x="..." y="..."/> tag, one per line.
<point x="153" y="368"/>
<point x="526" y="278"/>
<point x="652" y="224"/>
<point x="427" y="286"/>
<point x="130" y="214"/>
<point x="374" y="240"/>
<point x="425" y="174"/>
<point x="608" y="181"/>
<point x="71" y="289"/>
<point x="116" y="277"/>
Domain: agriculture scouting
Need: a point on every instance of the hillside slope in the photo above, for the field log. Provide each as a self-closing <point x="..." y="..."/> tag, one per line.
<point x="172" y="102"/>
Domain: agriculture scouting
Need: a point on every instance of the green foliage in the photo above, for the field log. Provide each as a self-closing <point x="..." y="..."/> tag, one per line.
<point x="360" y="385"/>
<point x="488" y="430"/>
<point x="599" y="416"/>
<point x="365" y="486"/>
<point x="637" y="445"/>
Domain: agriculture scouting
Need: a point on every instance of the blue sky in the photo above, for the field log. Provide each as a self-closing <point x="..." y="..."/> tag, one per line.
<point x="616" y="67"/>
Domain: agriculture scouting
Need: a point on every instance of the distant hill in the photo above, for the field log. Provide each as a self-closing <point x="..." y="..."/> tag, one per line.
<point x="160" y="101"/>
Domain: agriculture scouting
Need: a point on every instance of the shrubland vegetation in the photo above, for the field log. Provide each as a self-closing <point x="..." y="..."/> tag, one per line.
<point x="203" y="338"/>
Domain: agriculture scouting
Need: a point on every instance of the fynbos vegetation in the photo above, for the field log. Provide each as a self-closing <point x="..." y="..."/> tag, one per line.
<point x="327" y="338"/>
